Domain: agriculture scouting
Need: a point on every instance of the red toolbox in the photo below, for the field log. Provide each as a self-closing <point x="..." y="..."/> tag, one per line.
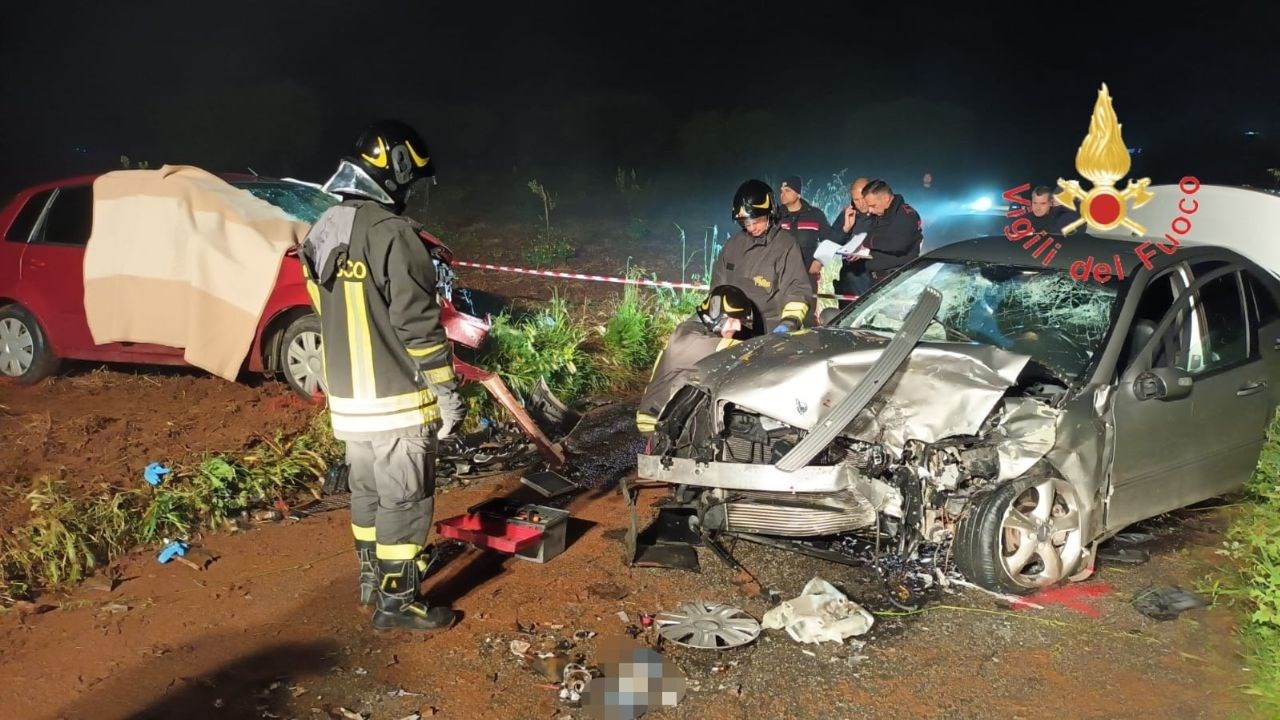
<point x="530" y="532"/>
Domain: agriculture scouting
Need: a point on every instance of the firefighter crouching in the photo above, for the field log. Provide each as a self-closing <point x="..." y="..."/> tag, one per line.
<point x="763" y="263"/>
<point x="388" y="366"/>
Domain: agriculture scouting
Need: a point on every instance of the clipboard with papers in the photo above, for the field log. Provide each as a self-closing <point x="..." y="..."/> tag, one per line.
<point x="828" y="251"/>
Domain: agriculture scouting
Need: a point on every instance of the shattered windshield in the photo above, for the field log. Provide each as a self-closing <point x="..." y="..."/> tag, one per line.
<point x="1058" y="321"/>
<point x="302" y="202"/>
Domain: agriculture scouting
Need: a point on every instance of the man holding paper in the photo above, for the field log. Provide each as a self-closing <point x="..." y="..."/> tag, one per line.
<point x="895" y="236"/>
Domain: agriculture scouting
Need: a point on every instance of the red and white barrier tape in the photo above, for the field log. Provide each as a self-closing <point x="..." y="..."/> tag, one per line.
<point x="604" y="278"/>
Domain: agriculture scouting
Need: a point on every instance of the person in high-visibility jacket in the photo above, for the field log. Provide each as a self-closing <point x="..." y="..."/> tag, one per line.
<point x="388" y="367"/>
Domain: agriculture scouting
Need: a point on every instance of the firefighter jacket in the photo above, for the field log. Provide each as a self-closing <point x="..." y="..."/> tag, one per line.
<point x="770" y="271"/>
<point x="810" y="228"/>
<point x="894" y="238"/>
<point x="372" y="281"/>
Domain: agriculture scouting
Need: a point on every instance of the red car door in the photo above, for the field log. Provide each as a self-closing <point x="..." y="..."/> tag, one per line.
<point x="51" y="283"/>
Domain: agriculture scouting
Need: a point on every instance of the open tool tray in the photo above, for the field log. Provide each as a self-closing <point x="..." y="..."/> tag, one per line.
<point x="530" y="532"/>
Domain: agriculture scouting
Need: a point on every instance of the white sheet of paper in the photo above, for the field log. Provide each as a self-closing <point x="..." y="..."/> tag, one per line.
<point x="826" y="251"/>
<point x="854" y="248"/>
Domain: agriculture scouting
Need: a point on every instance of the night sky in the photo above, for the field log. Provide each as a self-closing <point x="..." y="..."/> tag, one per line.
<point x="704" y="92"/>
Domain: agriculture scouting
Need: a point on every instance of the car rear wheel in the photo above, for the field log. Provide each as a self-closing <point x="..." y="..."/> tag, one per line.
<point x="1022" y="537"/>
<point x="301" y="359"/>
<point x="25" y="355"/>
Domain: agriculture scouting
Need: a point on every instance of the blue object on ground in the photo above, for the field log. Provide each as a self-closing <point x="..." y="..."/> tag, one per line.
<point x="154" y="473"/>
<point x="175" y="548"/>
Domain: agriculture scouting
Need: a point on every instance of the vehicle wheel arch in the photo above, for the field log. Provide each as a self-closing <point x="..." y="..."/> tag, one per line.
<point x="273" y="334"/>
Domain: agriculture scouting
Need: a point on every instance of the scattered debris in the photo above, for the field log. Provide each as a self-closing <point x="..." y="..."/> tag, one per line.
<point x="115" y="608"/>
<point x="154" y="473"/>
<point x="607" y="591"/>
<point x="584" y="635"/>
<point x="266" y="515"/>
<point x="1134" y="538"/>
<point x="349" y="714"/>
<point x="624" y="617"/>
<point x="1125" y="555"/>
<point x="360" y="671"/>
<point x="401" y="692"/>
<point x="297" y="691"/>
<point x="520" y="648"/>
<point x="1165" y="602"/>
<point x="819" y="614"/>
<point x="711" y="626"/>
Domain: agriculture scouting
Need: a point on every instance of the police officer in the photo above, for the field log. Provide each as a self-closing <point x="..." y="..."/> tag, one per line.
<point x="388" y="366"/>
<point x="895" y="236"/>
<point x="1046" y="216"/>
<point x="725" y="318"/>
<point x="854" y="219"/>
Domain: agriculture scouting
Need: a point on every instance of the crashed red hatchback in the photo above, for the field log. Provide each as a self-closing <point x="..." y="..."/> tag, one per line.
<point x="45" y="231"/>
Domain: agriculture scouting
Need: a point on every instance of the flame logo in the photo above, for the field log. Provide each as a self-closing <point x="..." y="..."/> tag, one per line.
<point x="1104" y="160"/>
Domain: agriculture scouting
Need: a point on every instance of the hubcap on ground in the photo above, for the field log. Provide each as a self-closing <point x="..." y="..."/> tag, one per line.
<point x="306" y="365"/>
<point x="1040" y="536"/>
<point x="17" y="348"/>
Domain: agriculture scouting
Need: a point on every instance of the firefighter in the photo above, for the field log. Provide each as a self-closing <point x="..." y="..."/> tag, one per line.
<point x="388" y="366"/>
<point x="764" y="262"/>
<point x="725" y="318"/>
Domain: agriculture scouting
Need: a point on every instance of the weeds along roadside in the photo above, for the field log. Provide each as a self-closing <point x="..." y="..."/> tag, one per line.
<point x="1251" y="582"/>
<point x="607" y="346"/>
<point x="66" y="536"/>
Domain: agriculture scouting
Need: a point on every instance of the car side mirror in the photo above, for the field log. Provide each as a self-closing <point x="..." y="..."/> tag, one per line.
<point x="825" y="316"/>
<point x="1163" y="383"/>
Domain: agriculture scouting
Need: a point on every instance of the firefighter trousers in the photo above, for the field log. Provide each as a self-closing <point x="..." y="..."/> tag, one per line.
<point x="393" y="488"/>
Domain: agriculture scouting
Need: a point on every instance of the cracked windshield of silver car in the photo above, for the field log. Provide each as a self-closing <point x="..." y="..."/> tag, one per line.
<point x="1044" y="313"/>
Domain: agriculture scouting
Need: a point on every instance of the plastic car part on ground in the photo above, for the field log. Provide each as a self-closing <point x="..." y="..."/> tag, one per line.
<point x="1164" y="602"/>
<point x="819" y="614"/>
<point x="707" y="626"/>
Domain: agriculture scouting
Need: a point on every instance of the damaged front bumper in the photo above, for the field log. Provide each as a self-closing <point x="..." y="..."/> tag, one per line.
<point x="812" y="501"/>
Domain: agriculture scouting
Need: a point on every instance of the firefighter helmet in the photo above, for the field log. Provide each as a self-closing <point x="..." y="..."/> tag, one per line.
<point x="389" y="157"/>
<point x="724" y="302"/>
<point x="754" y="199"/>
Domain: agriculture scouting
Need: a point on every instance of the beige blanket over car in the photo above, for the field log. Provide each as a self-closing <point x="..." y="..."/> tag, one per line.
<point x="181" y="258"/>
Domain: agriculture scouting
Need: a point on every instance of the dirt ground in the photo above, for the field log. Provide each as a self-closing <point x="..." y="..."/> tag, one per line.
<point x="271" y="629"/>
<point x="97" y="428"/>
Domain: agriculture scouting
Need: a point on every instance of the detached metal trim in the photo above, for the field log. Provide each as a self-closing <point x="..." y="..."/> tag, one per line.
<point x="743" y="476"/>
<point x="894" y="354"/>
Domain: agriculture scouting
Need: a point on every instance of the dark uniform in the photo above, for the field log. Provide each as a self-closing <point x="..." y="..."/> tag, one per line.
<point x="855" y="279"/>
<point x="770" y="270"/>
<point x="1053" y="221"/>
<point x="809" y="226"/>
<point x="894" y="239"/>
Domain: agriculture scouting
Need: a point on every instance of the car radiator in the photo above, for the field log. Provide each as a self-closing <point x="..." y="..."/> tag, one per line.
<point x="797" y="514"/>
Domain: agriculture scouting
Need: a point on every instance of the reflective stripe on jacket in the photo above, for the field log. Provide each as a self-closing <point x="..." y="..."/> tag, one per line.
<point x="374" y="286"/>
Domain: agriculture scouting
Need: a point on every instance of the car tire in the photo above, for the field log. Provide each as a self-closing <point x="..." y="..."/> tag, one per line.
<point x="25" y="355"/>
<point x="300" y="357"/>
<point x="1021" y="537"/>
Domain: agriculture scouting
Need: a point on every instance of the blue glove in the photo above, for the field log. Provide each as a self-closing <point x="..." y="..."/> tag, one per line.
<point x="175" y="548"/>
<point x="784" y="327"/>
<point x="154" y="473"/>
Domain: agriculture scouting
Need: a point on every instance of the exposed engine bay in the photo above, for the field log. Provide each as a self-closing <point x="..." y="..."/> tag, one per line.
<point x="891" y="487"/>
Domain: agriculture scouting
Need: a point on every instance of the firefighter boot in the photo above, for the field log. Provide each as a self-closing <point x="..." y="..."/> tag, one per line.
<point x="367" y="553"/>
<point x="398" y="605"/>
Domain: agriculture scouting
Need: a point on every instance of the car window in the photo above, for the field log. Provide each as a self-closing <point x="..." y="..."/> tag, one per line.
<point x="20" y="230"/>
<point x="1262" y="308"/>
<point x="1036" y="311"/>
<point x="1223" y="326"/>
<point x="70" y="218"/>
<point x="1156" y="301"/>
<point x="300" y="201"/>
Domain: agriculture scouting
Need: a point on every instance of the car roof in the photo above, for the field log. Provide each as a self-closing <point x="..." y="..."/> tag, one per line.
<point x="1236" y="221"/>
<point x="233" y="178"/>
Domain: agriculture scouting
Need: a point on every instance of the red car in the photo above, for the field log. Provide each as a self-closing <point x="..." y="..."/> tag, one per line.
<point x="42" y="318"/>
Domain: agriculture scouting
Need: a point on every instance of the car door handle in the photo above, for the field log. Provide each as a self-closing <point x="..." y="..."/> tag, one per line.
<point x="37" y="263"/>
<point x="1251" y="388"/>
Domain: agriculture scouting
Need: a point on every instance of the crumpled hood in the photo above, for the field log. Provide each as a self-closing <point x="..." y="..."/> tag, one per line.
<point x="942" y="389"/>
